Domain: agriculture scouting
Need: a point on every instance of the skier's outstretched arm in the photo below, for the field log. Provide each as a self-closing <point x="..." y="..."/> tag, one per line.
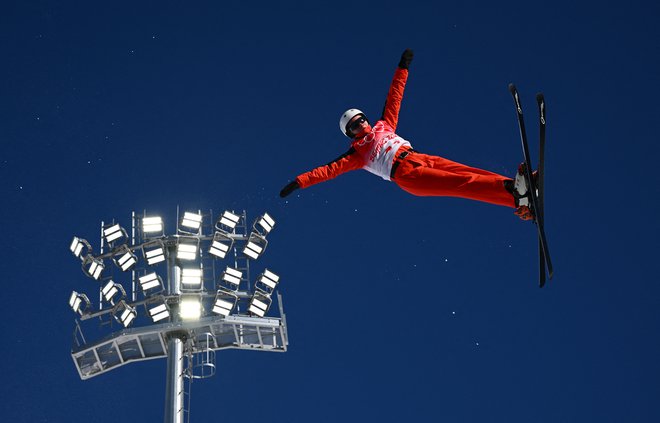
<point x="395" y="94"/>
<point x="342" y="164"/>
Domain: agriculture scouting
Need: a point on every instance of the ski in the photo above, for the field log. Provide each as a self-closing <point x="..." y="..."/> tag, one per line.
<point x="540" y="101"/>
<point x="544" y="253"/>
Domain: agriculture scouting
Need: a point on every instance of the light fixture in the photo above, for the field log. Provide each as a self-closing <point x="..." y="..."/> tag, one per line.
<point x="79" y="303"/>
<point x="267" y="282"/>
<point x="127" y="260"/>
<point x="152" y="224"/>
<point x="124" y="313"/>
<point x="255" y="246"/>
<point x="221" y="244"/>
<point x="264" y="224"/>
<point x="93" y="267"/>
<point x="186" y="250"/>
<point x="259" y="304"/>
<point x="192" y="221"/>
<point x="113" y="233"/>
<point x="232" y="277"/>
<point x="224" y="302"/>
<point x="154" y="252"/>
<point x="158" y="309"/>
<point x="112" y="291"/>
<point x="151" y="284"/>
<point x="190" y="308"/>
<point x="191" y="278"/>
<point x="78" y="245"/>
<point x="227" y="220"/>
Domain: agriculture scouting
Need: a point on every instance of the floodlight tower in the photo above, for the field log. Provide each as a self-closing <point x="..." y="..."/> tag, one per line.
<point x="192" y="309"/>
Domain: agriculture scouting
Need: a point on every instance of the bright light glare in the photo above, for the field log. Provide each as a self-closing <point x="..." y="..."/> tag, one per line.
<point x="190" y="308"/>
<point x="152" y="224"/>
<point x="191" y="277"/>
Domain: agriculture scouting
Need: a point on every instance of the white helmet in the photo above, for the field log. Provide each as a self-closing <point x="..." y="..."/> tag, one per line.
<point x="346" y="117"/>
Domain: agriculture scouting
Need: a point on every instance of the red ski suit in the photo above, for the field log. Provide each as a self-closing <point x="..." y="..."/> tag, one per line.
<point x="391" y="157"/>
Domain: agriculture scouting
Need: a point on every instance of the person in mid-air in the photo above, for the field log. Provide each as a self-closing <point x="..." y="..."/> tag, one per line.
<point x="381" y="151"/>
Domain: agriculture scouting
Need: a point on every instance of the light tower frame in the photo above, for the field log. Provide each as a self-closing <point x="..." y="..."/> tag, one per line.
<point x="188" y="344"/>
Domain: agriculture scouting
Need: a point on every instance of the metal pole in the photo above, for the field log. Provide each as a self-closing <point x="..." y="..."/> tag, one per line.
<point x="174" y="388"/>
<point x="174" y="382"/>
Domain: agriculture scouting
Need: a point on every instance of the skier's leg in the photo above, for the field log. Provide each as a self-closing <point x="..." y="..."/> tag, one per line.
<point x="441" y="163"/>
<point x="425" y="175"/>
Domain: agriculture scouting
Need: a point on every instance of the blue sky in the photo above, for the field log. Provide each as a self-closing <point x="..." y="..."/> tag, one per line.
<point x="403" y="308"/>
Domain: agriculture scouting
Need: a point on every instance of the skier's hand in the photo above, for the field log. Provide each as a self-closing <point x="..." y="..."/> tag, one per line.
<point x="289" y="188"/>
<point x="406" y="58"/>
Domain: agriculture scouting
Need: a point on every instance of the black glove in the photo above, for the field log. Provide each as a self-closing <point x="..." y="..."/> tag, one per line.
<point x="406" y="58"/>
<point x="289" y="188"/>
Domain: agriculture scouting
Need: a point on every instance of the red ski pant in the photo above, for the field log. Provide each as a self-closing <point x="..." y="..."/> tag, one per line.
<point x="424" y="175"/>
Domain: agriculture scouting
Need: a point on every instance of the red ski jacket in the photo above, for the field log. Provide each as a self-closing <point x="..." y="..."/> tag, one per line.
<point x="375" y="152"/>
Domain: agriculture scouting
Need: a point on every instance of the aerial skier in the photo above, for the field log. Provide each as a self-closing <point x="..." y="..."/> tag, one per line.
<point x="381" y="151"/>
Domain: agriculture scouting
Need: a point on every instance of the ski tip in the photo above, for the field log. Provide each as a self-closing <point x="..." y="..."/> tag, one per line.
<point x="512" y="88"/>
<point x="539" y="98"/>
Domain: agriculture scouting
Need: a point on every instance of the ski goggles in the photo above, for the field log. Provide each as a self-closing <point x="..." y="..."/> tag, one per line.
<point x="355" y="125"/>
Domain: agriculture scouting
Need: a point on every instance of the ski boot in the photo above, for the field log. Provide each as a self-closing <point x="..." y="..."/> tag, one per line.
<point x="520" y="191"/>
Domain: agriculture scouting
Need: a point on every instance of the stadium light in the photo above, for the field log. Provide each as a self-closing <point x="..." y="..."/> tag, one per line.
<point x="267" y="282"/>
<point x="228" y="220"/>
<point x="124" y="313"/>
<point x="113" y="233"/>
<point x="191" y="221"/>
<point x="158" y="309"/>
<point x="112" y="292"/>
<point x="191" y="278"/>
<point x="127" y="259"/>
<point x="255" y="246"/>
<point x="259" y="304"/>
<point x="93" y="267"/>
<point x="221" y="244"/>
<point x="151" y="284"/>
<point x="78" y="245"/>
<point x="190" y="308"/>
<point x="171" y="301"/>
<point x="79" y="303"/>
<point x="154" y="252"/>
<point x="187" y="250"/>
<point x="264" y="224"/>
<point x="152" y="224"/>
<point x="224" y="302"/>
<point x="232" y="277"/>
